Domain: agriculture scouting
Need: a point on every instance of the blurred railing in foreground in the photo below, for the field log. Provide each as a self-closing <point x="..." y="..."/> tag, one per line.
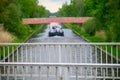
<point x="60" y="61"/>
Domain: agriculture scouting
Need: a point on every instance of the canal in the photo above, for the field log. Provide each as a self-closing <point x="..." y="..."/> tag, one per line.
<point x="56" y="54"/>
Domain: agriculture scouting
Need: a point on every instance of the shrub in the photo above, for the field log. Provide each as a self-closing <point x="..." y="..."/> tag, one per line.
<point x="91" y="26"/>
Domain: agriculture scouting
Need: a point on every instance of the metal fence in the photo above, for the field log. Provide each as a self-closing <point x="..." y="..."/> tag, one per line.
<point x="60" y="61"/>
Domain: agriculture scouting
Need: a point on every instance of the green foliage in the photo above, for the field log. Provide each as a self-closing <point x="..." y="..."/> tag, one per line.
<point x="12" y="12"/>
<point x="113" y="20"/>
<point x="42" y="12"/>
<point x="85" y="35"/>
<point x="106" y="11"/>
<point x="91" y="26"/>
<point x="67" y="10"/>
<point x="75" y="9"/>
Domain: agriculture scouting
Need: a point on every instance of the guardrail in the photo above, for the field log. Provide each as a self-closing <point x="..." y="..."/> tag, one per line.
<point x="59" y="61"/>
<point x="58" y="71"/>
<point x="61" y="52"/>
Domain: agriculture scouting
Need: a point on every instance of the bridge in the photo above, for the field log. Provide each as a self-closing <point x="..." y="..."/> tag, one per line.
<point x="59" y="61"/>
<point x="55" y="19"/>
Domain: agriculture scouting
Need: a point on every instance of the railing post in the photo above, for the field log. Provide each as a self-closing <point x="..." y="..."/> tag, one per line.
<point x="47" y="72"/>
<point x="15" y="72"/>
<point x="40" y="50"/>
<point x="17" y="55"/>
<point x="35" y="53"/>
<point x="31" y="72"/>
<point x="68" y="72"/>
<point x="113" y="74"/>
<point x="76" y="73"/>
<point x="117" y="58"/>
<point x="85" y="73"/>
<point x="103" y="74"/>
<point x="26" y="53"/>
<point x="23" y="68"/>
<point x="59" y="53"/>
<point x="56" y="73"/>
<point x="101" y="53"/>
<point x="39" y="72"/>
<point x="4" y="53"/>
<point x="106" y="59"/>
<point x="95" y="73"/>
<point x="111" y="54"/>
<point x="13" y="54"/>
<point x="59" y="46"/>
<point x="31" y="49"/>
<point x="8" y="48"/>
<point x="95" y="53"/>
<point x="8" y="70"/>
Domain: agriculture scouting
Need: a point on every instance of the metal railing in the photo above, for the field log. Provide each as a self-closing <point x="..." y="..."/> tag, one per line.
<point x="60" y="61"/>
<point x="58" y="71"/>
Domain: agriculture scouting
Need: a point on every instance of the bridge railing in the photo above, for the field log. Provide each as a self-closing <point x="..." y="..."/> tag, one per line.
<point x="58" y="71"/>
<point x="59" y="61"/>
<point x="55" y="19"/>
<point x="61" y="52"/>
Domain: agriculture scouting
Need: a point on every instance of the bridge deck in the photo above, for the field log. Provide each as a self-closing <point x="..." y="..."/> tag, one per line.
<point x="56" y="19"/>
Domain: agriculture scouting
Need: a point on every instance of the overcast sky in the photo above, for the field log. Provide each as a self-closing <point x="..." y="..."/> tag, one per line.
<point x="53" y="5"/>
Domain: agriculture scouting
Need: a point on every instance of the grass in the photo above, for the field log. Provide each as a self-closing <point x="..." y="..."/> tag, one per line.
<point x="101" y="34"/>
<point x="6" y="37"/>
<point x="82" y="33"/>
<point x="34" y="30"/>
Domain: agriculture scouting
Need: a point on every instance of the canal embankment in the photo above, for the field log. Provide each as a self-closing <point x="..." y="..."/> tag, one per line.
<point x="12" y="50"/>
<point x="94" y="39"/>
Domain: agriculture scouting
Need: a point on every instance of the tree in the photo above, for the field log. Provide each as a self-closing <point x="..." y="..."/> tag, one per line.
<point x="113" y="20"/>
<point x="91" y="26"/>
<point x="12" y="12"/>
<point x="3" y="12"/>
<point x="107" y="12"/>
<point x="75" y="9"/>
<point x="66" y="10"/>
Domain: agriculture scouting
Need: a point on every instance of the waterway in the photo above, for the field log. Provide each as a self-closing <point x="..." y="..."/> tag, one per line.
<point x="52" y="54"/>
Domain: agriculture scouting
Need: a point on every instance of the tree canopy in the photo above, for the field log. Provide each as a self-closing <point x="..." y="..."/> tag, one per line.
<point x="106" y="11"/>
<point x="12" y="12"/>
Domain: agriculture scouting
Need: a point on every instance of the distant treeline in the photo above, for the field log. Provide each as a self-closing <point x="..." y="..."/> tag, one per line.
<point x="12" y="12"/>
<point x="106" y="15"/>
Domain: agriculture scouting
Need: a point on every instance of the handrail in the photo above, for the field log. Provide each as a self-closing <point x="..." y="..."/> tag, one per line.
<point x="60" y="43"/>
<point x="97" y="65"/>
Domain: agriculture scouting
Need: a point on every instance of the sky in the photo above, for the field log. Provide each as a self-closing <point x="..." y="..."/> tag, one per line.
<point x="53" y="5"/>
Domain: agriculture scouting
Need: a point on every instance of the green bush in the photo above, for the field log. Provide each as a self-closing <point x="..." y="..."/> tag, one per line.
<point x="84" y="34"/>
<point x="91" y="26"/>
